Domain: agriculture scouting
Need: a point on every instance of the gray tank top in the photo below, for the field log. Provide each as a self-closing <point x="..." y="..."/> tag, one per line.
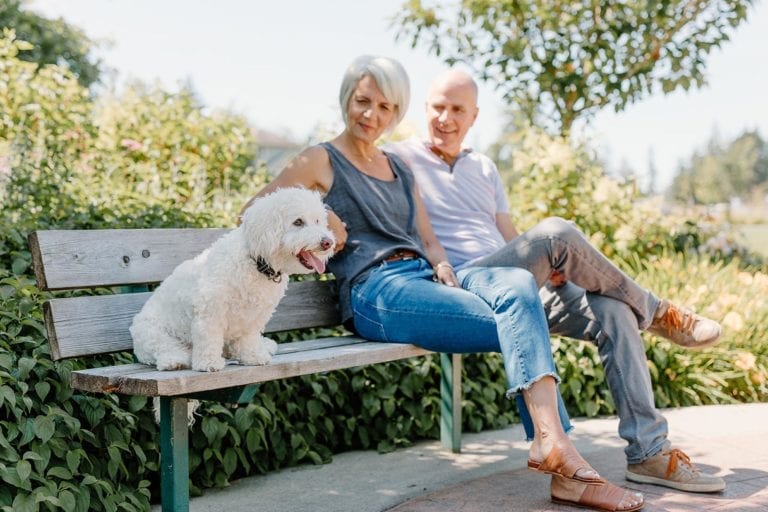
<point x="380" y="217"/>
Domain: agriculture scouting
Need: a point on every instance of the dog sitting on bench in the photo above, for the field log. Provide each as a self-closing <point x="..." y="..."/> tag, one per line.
<point x="215" y="306"/>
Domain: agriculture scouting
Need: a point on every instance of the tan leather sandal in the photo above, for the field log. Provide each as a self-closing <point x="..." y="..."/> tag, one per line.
<point x="606" y="497"/>
<point x="565" y="462"/>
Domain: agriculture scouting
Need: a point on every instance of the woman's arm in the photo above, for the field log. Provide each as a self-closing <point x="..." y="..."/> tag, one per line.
<point x="310" y="169"/>
<point x="435" y="253"/>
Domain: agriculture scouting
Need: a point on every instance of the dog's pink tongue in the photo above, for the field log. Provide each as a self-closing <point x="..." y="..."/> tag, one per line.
<point x="317" y="264"/>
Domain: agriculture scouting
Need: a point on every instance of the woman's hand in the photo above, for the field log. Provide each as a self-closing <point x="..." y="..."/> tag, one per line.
<point x="443" y="273"/>
<point x="339" y="229"/>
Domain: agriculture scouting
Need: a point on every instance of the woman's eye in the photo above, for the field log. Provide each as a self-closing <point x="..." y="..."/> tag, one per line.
<point x="298" y="223"/>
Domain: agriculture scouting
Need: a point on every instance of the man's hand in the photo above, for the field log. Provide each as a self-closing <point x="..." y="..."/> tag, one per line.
<point x="557" y="278"/>
<point x="339" y="230"/>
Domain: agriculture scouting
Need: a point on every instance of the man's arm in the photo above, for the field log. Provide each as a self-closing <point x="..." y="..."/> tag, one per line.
<point x="505" y="226"/>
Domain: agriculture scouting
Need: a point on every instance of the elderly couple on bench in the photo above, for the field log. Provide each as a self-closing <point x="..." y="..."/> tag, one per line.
<point x="427" y="254"/>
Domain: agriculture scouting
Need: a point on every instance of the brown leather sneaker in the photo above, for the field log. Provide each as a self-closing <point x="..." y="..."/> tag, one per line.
<point x="672" y="468"/>
<point x="684" y="327"/>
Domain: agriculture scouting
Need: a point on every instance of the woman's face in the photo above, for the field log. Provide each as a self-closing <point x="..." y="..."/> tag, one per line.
<point x="369" y="113"/>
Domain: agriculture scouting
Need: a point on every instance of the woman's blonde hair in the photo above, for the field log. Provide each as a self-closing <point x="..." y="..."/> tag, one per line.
<point x="390" y="77"/>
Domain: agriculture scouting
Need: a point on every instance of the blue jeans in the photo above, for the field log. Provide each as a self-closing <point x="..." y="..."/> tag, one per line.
<point x="398" y="302"/>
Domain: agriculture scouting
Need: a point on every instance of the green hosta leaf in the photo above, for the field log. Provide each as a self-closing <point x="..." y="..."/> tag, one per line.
<point x="230" y="461"/>
<point x="25" y="364"/>
<point x="23" y="470"/>
<point x="44" y="428"/>
<point x="73" y="460"/>
<point x="24" y="503"/>
<point x="32" y="456"/>
<point x="90" y="480"/>
<point x="19" y="266"/>
<point x="136" y="403"/>
<point x="60" y="472"/>
<point x="592" y="408"/>
<point x="42" y="388"/>
<point x="67" y="501"/>
<point x="6" y="360"/>
<point x="315" y="457"/>
<point x="315" y="408"/>
<point x="243" y="419"/>
<point x="389" y="407"/>
<point x="575" y="386"/>
<point x="7" y="395"/>
<point x="210" y="429"/>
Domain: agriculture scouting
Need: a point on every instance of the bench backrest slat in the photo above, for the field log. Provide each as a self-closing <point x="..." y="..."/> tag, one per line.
<point x="81" y="326"/>
<point x="67" y="259"/>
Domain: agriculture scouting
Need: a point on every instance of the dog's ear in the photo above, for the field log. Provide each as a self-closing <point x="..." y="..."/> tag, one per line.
<point x="263" y="227"/>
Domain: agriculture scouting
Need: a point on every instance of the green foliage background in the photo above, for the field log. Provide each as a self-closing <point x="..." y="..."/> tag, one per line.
<point x="148" y="158"/>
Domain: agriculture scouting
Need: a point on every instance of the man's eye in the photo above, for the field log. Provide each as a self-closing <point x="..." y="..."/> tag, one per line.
<point x="298" y="223"/>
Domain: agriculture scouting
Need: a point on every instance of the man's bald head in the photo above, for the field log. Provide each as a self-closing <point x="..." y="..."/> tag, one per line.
<point x="454" y="78"/>
<point x="451" y="111"/>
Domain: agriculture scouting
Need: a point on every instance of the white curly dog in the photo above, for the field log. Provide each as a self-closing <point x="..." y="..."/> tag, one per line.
<point x="215" y="306"/>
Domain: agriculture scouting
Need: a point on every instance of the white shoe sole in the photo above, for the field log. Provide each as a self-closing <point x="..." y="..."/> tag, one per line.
<point x="680" y="486"/>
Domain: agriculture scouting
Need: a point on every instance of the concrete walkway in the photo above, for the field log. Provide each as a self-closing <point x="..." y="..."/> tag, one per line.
<point x="490" y="473"/>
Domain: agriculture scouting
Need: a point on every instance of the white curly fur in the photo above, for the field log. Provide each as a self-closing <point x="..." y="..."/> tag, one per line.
<point x="215" y="306"/>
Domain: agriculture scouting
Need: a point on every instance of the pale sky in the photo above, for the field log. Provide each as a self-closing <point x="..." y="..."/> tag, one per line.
<point x="280" y="63"/>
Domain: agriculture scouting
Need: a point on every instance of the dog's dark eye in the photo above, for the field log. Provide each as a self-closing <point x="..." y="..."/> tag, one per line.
<point x="298" y="223"/>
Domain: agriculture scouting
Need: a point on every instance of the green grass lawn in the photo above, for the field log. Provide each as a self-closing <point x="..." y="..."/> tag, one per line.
<point x="756" y="237"/>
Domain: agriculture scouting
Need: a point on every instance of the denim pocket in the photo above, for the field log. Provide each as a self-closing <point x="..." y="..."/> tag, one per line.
<point x="368" y="328"/>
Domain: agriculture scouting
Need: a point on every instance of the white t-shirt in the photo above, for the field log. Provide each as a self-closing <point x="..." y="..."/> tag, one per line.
<point x="462" y="201"/>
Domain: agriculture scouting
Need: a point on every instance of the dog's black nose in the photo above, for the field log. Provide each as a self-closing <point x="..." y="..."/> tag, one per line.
<point x="326" y="243"/>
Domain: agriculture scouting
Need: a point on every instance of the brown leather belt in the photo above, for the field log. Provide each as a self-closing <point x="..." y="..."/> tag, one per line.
<point x="402" y="254"/>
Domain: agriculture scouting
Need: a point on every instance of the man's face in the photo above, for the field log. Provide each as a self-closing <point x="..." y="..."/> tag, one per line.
<point x="451" y="112"/>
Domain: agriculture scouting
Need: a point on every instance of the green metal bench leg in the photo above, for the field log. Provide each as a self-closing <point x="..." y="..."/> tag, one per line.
<point x="450" y="401"/>
<point x="174" y="455"/>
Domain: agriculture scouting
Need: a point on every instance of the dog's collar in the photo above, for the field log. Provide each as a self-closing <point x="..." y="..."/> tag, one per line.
<point x="266" y="269"/>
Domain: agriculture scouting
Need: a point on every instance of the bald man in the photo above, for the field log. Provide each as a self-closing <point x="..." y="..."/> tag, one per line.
<point x="585" y="296"/>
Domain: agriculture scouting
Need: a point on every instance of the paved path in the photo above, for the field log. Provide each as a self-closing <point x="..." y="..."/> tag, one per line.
<point x="490" y="475"/>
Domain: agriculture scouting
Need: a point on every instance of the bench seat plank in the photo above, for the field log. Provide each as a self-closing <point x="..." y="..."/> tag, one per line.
<point x="65" y="259"/>
<point x="291" y="360"/>
<point x="98" y="324"/>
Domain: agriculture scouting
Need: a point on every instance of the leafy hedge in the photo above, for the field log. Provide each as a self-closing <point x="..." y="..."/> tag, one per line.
<point x="148" y="158"/>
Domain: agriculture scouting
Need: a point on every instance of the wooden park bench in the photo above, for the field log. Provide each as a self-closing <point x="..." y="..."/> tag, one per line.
<point x="128" y="260"/>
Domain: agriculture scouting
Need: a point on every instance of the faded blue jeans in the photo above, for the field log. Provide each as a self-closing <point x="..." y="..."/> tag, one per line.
<point x="496" y="310"/>
<point x="599" y="303"/>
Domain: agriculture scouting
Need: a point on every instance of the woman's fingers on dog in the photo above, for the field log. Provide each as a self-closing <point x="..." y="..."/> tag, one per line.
<point x="339" y="229"/>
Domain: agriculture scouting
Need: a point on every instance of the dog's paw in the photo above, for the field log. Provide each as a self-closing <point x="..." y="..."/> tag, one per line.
<point x="270" y="345"/>
<point x="171" y="366"/>
<point x="258" y="355"/>
<point x="213" y="365"/>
